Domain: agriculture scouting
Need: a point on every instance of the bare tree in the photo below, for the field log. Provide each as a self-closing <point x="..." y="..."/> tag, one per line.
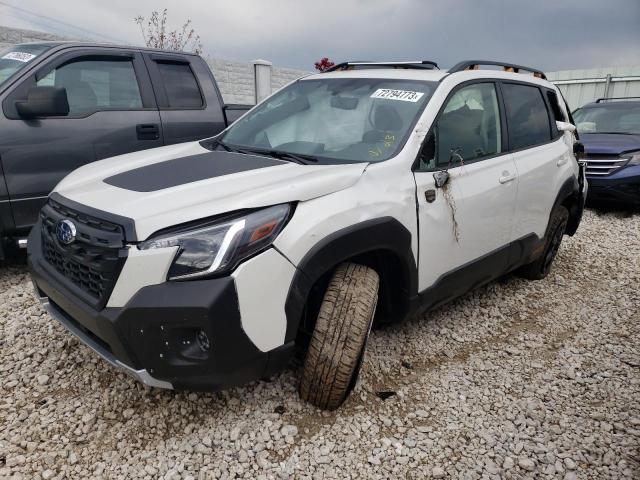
<point x="155" y="34"/>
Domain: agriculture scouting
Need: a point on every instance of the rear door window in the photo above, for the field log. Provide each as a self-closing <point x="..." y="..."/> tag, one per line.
<point x="180" y="85"/>
<point x="527" y="115"/>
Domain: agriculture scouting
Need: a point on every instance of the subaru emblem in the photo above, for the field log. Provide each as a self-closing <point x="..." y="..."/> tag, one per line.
<point x="65" y="231"/>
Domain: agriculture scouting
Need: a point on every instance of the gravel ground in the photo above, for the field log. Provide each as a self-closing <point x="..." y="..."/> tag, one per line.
<point x="516" y="380"/>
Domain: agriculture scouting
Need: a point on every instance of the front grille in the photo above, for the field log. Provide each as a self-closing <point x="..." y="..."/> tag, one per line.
<point x="91" y="263"/>
<point x="599" y="165"/>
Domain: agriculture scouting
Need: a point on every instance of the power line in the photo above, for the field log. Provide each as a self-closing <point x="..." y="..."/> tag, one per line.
<point x="68" y="25"/>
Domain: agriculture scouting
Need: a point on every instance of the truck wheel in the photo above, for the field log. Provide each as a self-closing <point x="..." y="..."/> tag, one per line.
<point x="541" y="267"/>
<point x="339" y="338"/>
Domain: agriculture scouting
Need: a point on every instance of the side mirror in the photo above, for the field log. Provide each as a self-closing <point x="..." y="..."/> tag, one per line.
<point x="565" y="127"/>
<point x="44" y="102"/>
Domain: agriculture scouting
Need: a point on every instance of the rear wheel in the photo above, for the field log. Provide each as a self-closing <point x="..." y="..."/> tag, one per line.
<point x="541" y="267"/>
<point x="339" y="337"/>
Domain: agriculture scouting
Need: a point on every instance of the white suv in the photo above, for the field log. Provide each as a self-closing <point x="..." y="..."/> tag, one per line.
<point x="363" y="194"/>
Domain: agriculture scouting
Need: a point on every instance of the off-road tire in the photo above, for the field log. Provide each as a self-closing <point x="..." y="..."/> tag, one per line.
<point x="540" y="268"/>
<point x="340" y="335"/>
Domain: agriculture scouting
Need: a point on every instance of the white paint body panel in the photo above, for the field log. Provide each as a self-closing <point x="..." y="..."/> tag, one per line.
<point x="484" y="212"/>
<point x="141" y="268"/>
<point x="541" y="172"/>
<point x="262" y="284"/>
<point x="153" y="211"/>
<point x="384" y="190"/>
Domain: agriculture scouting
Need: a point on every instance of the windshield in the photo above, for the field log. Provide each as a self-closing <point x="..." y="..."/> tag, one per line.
<point x="337" y="120"/>
<point x="611" y="118"/>
<point x="16" y="57"/>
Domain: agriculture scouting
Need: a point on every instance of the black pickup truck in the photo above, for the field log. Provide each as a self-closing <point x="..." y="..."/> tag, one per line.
<point x="68" y="104"/>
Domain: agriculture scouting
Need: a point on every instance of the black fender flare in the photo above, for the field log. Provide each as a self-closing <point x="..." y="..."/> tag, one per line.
<point x="570" y="188"/>
<point x="381" y="234"/>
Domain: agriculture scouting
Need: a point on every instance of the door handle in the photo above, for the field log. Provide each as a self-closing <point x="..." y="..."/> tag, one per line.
<point x="507" y="177"/>
<point x="148" y="131"/>
<point x="562" y="161"/>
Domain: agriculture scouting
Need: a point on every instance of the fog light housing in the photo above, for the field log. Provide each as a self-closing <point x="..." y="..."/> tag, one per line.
<point x="203" y="341"/>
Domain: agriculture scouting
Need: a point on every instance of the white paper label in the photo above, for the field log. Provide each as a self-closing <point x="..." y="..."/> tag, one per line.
<point x="402" y="95"/>
<point x="19" y="56"/>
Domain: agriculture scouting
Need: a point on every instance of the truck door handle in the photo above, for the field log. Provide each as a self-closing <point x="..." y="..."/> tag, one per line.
<point x="148" y="131"/>
<point x="507" y="177"/>
<point x="562" y="161"/>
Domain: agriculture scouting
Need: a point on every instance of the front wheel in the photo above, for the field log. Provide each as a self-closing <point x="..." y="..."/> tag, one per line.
<point x="540" y="268"/>
<point x="340" y="335"/>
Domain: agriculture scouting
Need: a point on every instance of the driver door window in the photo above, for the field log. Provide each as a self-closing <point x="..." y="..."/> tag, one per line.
<point x="467" y="129"/>
<point x="94" y="85"/>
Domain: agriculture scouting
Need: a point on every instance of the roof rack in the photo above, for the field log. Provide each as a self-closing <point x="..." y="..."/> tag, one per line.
<point x="508" y="67"/>
<point x="419" y="64"/>
<point x="609" y="99"/>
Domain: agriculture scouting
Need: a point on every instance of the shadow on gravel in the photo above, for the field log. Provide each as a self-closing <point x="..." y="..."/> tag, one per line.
<point x="14" y="258"/>
<point x="619" y="211"/>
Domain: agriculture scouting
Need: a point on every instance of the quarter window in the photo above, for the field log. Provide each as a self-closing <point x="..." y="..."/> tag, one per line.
<point x="527" y="115"/>
<point x="467" y="129"/>
<point x="555" y="106"/>
<point x="180" y="84"/>
<point x="94" y="85"/>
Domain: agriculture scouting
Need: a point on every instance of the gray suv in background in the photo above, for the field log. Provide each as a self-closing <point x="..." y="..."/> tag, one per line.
<point x="68" y="104"/>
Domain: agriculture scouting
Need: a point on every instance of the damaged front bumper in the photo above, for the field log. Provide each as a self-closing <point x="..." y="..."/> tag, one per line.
<point x="157" y="337"/>
<point x="141" y="375"/>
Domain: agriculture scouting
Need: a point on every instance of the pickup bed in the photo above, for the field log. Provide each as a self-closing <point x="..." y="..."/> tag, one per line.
<point x="68" y="104"/>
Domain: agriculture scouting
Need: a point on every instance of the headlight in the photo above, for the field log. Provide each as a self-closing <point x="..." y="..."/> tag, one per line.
<point x="634" y="158"/>
<point x="219" y="246"/>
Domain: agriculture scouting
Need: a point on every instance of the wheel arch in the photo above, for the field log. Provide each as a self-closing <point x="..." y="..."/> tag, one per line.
<point x="569" y="196"/>
<point x="384" y="244"/>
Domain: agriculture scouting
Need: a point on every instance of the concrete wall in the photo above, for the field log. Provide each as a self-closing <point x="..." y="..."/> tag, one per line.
<point x="237" y="80"/>
<point x="584" y="86"/>
<point x="11" y="36"/>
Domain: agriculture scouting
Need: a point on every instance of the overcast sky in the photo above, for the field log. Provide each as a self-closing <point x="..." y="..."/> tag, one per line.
<point x="547" y="34"/>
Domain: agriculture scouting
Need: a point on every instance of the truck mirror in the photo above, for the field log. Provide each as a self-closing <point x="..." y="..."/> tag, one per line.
<point x="44" y="102"/>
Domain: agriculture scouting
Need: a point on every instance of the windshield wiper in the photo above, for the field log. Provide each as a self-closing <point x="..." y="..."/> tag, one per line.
<point x="296" y="157"/>
<point x="280" y="155"/>
<point x="229" y="148"/>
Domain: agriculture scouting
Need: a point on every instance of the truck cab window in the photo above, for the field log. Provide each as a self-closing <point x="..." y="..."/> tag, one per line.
<point x="94" y="85"/>
<point x="180" y="84"/>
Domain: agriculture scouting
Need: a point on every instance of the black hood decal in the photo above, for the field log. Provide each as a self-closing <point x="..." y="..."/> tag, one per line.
<point x="180" y="171"/>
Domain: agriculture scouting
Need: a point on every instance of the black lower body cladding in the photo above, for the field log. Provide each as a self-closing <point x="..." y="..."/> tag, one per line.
<point x="186" y="333"/>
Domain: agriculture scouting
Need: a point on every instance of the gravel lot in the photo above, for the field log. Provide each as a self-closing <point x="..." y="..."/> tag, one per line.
<point x="516" y="380"/>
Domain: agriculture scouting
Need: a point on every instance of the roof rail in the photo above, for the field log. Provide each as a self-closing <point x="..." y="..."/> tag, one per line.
<point x="475" y="64"/>
<point x="420" y="64"/>
<point x="608" y="99"/>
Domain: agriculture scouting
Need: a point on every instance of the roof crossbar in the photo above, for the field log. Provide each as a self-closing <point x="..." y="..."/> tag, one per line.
<point x="607" y="99"/>
<point x="419" y="64"/>
<point x="508" y="67"/>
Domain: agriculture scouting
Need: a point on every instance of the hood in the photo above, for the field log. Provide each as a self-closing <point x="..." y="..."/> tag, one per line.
<point x="171" y="185"/>
<point x="609" y="143"/>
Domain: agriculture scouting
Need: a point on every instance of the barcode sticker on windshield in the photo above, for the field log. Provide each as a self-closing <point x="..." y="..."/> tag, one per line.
<point x="402" y="95"/>
<point x="19" y="56"/>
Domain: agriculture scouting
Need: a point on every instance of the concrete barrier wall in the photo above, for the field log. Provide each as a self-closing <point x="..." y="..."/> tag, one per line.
<point x="11" y="36"/>
<point x="237" y="80"/>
